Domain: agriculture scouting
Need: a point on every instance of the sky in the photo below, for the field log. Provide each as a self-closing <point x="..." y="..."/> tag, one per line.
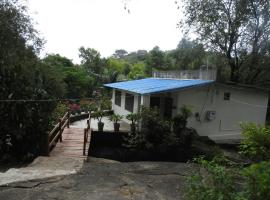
<point x="105" y="25"/>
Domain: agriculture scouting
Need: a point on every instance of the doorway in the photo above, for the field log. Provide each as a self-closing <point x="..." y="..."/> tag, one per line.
<point x="168" y="106"/>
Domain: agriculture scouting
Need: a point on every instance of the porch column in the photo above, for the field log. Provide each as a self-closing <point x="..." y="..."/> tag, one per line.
<point x="145" y="100"/>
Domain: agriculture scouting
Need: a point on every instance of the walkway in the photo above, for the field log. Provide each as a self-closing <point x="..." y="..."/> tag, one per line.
<point x="72" y="144"/>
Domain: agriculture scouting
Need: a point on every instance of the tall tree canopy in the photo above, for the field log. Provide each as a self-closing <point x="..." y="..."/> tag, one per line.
<point x="188" y="55"/>
<point x="22" y="77"/>
<point x="239" y="29"/>
<point x="75" y="79"/>
<point x="120" y="53"/>
<point x="91" y="60"/>
<point x="56" y="60"/>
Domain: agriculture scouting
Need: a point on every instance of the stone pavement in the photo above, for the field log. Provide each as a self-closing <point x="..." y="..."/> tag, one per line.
<point x="42" y="167"/>
<point x="102" y="179"/>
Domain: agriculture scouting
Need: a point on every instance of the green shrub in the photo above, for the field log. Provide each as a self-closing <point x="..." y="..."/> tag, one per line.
<point x="179" y="123"/>
<point x="133" y="117"/>
<point x="212" y="181"/>
<point x="257" y="185"/>
<point x="89" y="107"/>
<point x="256" y="142"/>
<point x="216" y="179"/>
<point x="98" y="115"/>
<point x="105" y="104"/>
<point x="115" y="118"/>
<point x="154" y="127"/>
<point x="155" y="132"/>
<point x="59" y="111"/>
<point x="180" y="120"/>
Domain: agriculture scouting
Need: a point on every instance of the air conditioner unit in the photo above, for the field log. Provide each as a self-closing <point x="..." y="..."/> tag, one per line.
<point x="210" y="115"/>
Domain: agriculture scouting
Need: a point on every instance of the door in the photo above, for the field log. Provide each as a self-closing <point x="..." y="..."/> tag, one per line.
<point x="168" y="105"/>
<point x="155" y="102"/>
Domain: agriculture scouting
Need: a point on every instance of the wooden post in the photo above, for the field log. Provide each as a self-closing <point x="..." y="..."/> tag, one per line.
<point x="68" y="118"/>
<point x="84" y="141"/>
<point x="60" y="129"/>
<point x="88" y="124"/>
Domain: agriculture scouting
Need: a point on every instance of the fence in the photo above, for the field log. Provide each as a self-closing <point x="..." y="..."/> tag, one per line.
<point x="55" y="134"/>
<point x="202" y="74"/>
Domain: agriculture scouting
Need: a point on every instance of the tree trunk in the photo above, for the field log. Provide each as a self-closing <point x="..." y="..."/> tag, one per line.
<point x="234" y="76"/>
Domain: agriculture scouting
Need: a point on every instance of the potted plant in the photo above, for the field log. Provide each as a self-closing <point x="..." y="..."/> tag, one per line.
<point x="99" y="115"/>
<point x="134" y="118"/>
<point x="115" y="118"/>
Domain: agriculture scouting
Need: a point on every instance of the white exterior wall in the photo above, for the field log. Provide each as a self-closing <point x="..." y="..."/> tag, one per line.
<point x="121" y="110"/>
<point x="245" y="105"/>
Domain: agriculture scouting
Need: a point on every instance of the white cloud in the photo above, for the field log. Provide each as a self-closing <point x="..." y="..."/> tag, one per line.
<point x="105" y="25"/>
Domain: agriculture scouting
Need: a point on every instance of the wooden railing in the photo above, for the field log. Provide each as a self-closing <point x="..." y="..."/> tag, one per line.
<point x="87" y="133"/>
<point x="55" y="134"/>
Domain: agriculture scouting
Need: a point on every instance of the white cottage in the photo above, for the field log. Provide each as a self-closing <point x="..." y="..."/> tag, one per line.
<point x="218" y="109"/>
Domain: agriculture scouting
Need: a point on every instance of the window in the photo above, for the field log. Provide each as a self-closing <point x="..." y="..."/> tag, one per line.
<point x="117" y="98"/>
<point x="227" y="96"/>
<point x="129" y="102"/>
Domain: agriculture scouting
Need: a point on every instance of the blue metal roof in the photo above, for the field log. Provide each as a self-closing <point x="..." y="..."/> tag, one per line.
<point x="156" y="85"/>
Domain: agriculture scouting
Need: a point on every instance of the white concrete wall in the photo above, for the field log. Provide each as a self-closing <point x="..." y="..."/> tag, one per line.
<point x="121" y="109"/>
<point x="245" y="105"/>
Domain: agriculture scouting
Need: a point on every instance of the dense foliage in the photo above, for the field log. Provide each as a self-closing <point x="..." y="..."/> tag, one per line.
<point x="22" y="78"/>
<point x="213" y="181"/>
<point x="236" y="29"/>
<point x="256" y="142"/>
<point x="156" y="133"/>
<point x="220" y="179"/>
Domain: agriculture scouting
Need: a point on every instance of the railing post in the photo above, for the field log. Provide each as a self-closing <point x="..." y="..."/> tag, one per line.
<point x="60" y="129"/>
<point x="68" y="118"/>
<point x="84" y="141"/>
<point x="88" y="124"/>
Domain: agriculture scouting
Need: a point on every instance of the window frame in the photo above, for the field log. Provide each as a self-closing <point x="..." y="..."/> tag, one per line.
<point x="128" y="105"/>
<point x="118" y="98"/>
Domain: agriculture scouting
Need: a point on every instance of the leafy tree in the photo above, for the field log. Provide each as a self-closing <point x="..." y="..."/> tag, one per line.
<point x="75" y="80"/>
<point x="238" y="29"/>
<point x="78" y="83"/>
<point x="120" y="53"/>
<point x="23" y="77"/>
<point x="55" y="60"/>
<point x="188" y="55"/>
<point x="115" y="65"/>
<point x="156" y="59"/>
<point x="133" y="57"/>
<point x="137" y="71"/>
<point x="92" y="61"/>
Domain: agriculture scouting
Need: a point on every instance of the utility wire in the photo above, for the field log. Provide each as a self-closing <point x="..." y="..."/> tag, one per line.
<point x="42" y="100"/>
